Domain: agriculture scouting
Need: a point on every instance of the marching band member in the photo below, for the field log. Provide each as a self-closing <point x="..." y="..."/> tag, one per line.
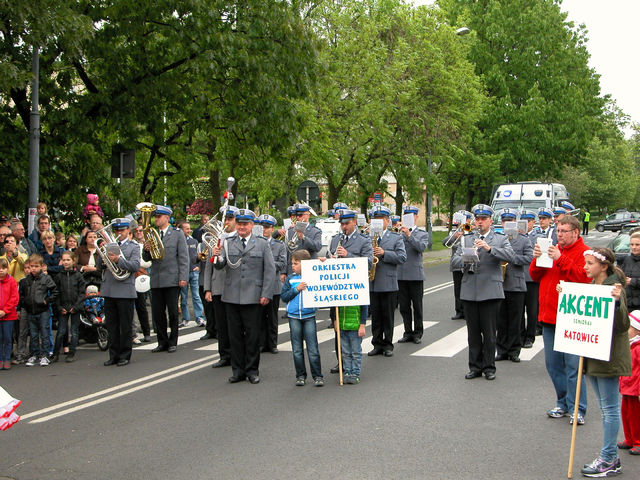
<point x="528" y="326"/>
<point x="168" y="276"/>
<point x="214" y="286"/>
<point x="456" y="272"/>
<point x="508" y="339"/>
<point x="481" y="291"/>
<point x="338" y="207"/>
<point x="248" y="284"/>
<point x="309" y="240"/>
<point x="120" y="296"/>
<point x="384" y="287"/>
<point x="269" y="341"/>
<point x="411" y="279"/>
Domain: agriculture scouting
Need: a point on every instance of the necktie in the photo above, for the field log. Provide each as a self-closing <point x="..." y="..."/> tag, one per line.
<point x="481" y="237"/>
<point x="244" y="243"/>
<point x="161" y="235"/>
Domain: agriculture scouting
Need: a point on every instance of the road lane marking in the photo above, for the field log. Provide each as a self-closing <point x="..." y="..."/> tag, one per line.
<point x="527" y="354"/>
<point x="447" y="346"/>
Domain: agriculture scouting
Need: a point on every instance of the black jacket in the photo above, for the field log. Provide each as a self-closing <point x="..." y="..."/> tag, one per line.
<point x="631" y="268"/>
<point x="36" y="293"/>
<point x="71" y="286"/>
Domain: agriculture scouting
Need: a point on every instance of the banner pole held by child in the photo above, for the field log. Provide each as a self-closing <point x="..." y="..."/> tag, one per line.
<point x="337" y="328"/>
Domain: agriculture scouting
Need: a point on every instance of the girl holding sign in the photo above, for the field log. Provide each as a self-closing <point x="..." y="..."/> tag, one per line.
<point x="603" y="376"/>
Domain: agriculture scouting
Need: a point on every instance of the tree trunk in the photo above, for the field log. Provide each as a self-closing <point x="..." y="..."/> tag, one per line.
<point x="452" y="202"/>
<point x="399" y="199"/>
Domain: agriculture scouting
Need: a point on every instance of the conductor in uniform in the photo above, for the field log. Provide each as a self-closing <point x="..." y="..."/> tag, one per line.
<point x="120" y="296"/>
<point x="248" y="285"/>
<point x="390" y="253"/>
<point x="168" y="276"/>
<point x="481" y="292"/>
<point x="411" y="279"/>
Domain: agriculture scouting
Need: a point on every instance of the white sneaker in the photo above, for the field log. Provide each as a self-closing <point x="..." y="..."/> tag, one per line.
<point x="201" y="322"/>
<point x="31" y="362"/>
<point x="136" y="341"/>
<point x="44" y="361"/>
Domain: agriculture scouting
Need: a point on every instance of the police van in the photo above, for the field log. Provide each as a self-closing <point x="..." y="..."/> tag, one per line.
<point x="528" y="195"/>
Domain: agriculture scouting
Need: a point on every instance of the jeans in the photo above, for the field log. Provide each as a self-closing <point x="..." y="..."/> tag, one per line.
<point x="195" y="297"/>
<point x="6" y="339"/>
<point x="563" y="370"/>
<point x="305" y="329"/>
<point x="351" y="345"/>
<point x="40" y="331"/>
<point x="63" y="321"/>
<point x="606" y="390"/>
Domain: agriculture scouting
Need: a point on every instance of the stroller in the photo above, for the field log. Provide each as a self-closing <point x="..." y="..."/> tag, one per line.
<point x="92" y="319"/>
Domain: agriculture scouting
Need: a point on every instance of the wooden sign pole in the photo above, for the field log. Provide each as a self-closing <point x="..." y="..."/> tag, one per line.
<point x="337" y="329"/>
<point x="575" y="418"/>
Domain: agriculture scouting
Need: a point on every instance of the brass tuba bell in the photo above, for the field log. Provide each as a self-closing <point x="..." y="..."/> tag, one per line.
<point x="151" y="236"/>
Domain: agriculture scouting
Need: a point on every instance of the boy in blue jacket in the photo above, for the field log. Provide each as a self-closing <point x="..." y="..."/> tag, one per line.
<point x="302" y="323"/>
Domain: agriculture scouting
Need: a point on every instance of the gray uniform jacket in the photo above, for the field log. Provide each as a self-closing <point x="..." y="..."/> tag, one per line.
<point x="113" y="288"/>
<point x="532" y="235"/>
<point x="357" y="245"/>
<point x="414" y="245"/>
<point x="174" y="267"/>
<point x="515" y="278"/>
<point x="484" y="280"/>
<point x="312" y="241"/>
<point x="386" y="279"/>
<point x="279" y="252"/>
<point x="250" y="273"/>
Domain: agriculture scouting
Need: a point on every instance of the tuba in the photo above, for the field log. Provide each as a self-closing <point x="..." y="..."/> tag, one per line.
<point x="372" y="272"/>
<point x="108" y="238"/>
<point x="292" y="243"/>
<point x="151" y="235"/>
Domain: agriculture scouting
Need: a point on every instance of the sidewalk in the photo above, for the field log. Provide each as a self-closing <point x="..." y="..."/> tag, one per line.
<point x="436" y="257"/>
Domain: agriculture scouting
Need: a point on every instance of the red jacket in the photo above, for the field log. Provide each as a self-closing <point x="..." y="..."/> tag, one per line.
<point x="9" y="298"/>
<point x="569" y="267"/>
<point x="631" y="385"/>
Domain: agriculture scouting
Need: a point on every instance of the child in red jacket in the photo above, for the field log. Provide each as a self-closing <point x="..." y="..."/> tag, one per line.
<point x="630" y="390"/>
<point x="8" y="302"/>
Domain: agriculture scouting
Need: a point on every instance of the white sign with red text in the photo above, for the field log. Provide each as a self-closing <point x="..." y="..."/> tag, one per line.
<point x="584" y="321"/>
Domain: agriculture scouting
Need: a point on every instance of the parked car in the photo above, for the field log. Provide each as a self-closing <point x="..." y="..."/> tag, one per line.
<point x="615" y="221"/>
<point x="620" y="244"/>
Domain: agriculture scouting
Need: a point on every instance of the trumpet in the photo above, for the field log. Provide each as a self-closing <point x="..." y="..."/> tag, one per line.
<point x="151" y="235"/>
<point x="108" y="238"/>
<point x="452" y="241"/>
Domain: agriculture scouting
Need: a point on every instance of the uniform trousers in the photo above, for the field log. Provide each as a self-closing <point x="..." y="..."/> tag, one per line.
<point x="244" y="335"/>
<point x="382" y="310"/>
<point x="630" y="412"/>
<point x="269" y="324"/>
<point x="222" y="327"/>
<point x="119" y="315"/>
<point x="508" y="340"/>
<point x="163" y="300"/>
<point x="208" y="314"/>
<point x="528" y="325"/>
<point x="457" y="284"/>
<point x="481" y="320"/>
<point x="143" y="313"/>
<point x="410" y="293"/>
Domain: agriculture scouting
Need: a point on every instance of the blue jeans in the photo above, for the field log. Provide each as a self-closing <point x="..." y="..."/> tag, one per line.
<point x="40" y="331"/>
<point x="351" y="345"/>
<point x="63" y="322"/>
<point x="195" y="298"/>
<point x="563" y="370"/>
<point x="305" y="329"/>
<point x="6" y="339"/>
<point x="606" y="390"/>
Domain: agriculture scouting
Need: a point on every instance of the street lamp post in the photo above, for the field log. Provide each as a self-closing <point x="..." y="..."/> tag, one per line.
<point x="34" y="141"/>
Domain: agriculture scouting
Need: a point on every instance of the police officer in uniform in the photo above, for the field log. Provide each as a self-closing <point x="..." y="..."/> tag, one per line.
<point x="508" y="339"/>
<point x="456" y="272"/>
<point x="168" y="276"/>
<point x="411" y="279"/>
<point x="337" y="209"/>
<point x="481" y="291"/>
<point x="248" y="285"/>
<point x="120" y="295"/>
<point x="528" y="325"/>
<point x="214" y="286"/>
<point x="383" y="289"/>
<point x="269" y="341"/>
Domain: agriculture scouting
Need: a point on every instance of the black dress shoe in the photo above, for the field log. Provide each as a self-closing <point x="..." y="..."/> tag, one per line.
<point x="417" y="340"/>
<point x="502" y="356"/>
<point x="490" y="375"/>
<point x="274" y="350"/>
<point x="335" y="369"/>
<point x="472" y="374"/>
<point x="254" y="379"/>
<point x="237" y="379"/>
<point x="172" y="349"/>
<point x="405" y="339"/>
<point x="458" y="316"/>
<point x="159" y="349"/>
<point x="109" y="362"/>
<point x="206" y="336"/>
<point x="387" y="353"/>
<point x="374" y="352"/>
<point x="514" y="358"/>
<point x="528" y="344"/>
<point x="221" y="363"/>
<point x="146" y="339"/>
<point x="123" y="362"/>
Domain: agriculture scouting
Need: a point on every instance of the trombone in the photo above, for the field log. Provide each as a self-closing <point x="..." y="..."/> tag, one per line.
<point x="452" y="241"/>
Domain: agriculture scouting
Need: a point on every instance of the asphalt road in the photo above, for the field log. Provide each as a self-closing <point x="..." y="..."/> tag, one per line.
<point x="168" y="416"/>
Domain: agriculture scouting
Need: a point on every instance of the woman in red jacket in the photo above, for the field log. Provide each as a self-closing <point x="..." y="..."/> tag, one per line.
<point x="8" y="302"/>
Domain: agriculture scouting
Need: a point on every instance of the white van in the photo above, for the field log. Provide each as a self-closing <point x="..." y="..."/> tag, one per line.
<point x="528" y="195"/>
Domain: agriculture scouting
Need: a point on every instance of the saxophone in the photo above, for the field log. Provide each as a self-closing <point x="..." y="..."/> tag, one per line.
<point x="372" y="272"/>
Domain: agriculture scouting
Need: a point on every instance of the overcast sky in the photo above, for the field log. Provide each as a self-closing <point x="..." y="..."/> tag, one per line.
<point x="611" y="26"/>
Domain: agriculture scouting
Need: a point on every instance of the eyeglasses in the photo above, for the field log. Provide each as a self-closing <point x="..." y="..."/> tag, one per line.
<point x="564" y="231"/>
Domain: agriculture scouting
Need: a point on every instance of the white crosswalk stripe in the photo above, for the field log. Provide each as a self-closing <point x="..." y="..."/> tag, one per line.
<point x="447" y="346"/>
